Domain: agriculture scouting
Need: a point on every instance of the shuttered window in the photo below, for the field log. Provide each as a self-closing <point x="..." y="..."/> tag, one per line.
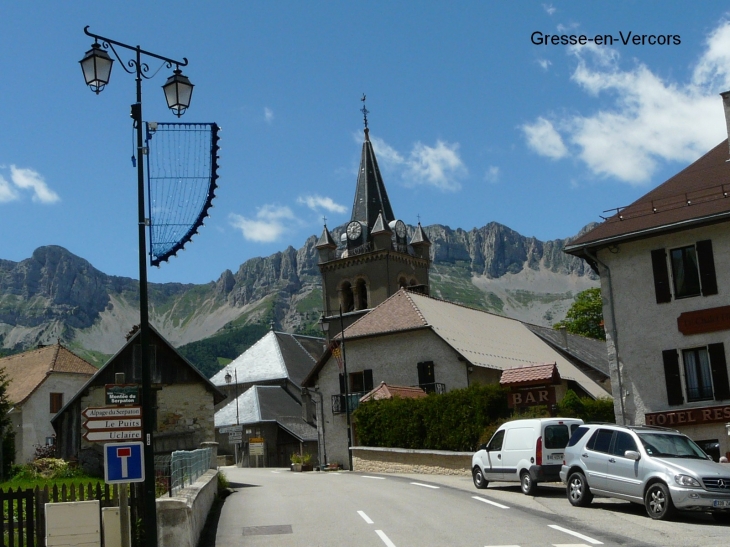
<point x="672" y="377"/>
<point x="425" y="373"/>
<point x="361" y="381"/>
<point x="685" y="272"/>
<point x="706" y="262"/>
<point x="718" y="366"/>
<point x="661" y="276"/>
<point x="56" y="402"/>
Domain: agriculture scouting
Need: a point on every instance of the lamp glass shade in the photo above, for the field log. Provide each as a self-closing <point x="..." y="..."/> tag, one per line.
<point x="97" y="67"/>
<point x="178" y="91"/>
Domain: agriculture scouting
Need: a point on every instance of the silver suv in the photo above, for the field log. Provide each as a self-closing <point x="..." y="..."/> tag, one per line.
<point x="659" y="468"/>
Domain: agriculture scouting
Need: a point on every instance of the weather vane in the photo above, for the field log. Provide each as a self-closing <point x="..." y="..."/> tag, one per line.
<point x="364" y="111"/>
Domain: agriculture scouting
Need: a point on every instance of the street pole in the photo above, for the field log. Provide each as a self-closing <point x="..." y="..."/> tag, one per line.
<point x="96" y="67"/>
<point x="347" y="392"/>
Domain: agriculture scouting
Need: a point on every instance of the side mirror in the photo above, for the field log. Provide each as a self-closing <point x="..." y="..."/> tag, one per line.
<point x="482" y="446"/>
<point x="632" y="455"/>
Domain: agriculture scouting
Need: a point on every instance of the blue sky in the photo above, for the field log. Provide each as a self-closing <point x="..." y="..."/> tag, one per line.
<point x="472" y="122"/>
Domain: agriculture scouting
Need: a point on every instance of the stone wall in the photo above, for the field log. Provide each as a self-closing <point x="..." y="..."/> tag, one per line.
<point x="180" y="520"/>
<point x="402" y="460"/>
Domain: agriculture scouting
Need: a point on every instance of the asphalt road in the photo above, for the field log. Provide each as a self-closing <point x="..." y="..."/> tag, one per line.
<point x="275" y="507"/>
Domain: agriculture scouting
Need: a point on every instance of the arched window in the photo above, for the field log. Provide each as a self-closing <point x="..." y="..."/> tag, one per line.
<point x="361" y="294"/>
<point x="346" y="300"/>
<point x="402" y="283"/>
<point x="413" y="282"/>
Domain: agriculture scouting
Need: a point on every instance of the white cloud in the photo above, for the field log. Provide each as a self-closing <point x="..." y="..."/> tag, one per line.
<point x="544" y="139"/>
<point x="7" y="192"/>
<point x="268" y="114"/>
<point x="492" y="174"/>
<point x="549" y="8"/>
<point x="649" y="120"/>
<point x="317" y="203"/>
<point x="270" y="223"/>
<point x="439" y="166"/>
<point x="28" y="179"/>
<point x="544" y="63"/>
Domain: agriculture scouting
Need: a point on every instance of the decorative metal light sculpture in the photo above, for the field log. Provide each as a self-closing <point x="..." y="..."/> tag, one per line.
<point x="97" y="67"/>
<point x="178" y="91"/>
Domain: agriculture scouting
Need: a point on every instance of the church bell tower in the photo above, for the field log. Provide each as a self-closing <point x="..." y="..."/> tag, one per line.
<point x="372" y="258"/>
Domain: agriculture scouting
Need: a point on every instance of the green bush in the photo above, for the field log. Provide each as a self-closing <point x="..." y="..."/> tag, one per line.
<point x="587" y="409"/>
<point x="453" y="421"/>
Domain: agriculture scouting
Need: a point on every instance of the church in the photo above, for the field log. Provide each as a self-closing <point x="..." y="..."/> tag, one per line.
<point x="382" y="325"/>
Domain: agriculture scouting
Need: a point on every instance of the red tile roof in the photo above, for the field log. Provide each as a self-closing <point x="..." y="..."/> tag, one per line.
<point x="697" y="194"/>
<point x="384" y="391"/>
<point x="533" y="374"/>
<point x="397" y="313"/>
<point x="26" y="371"/>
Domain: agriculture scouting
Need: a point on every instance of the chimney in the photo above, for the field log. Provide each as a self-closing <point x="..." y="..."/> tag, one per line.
<point x="726" y="104"/>
<point x="564" y="332"/>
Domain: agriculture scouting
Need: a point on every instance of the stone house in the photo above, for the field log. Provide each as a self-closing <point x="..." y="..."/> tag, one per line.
<point x="414" y="340"/>
<point x="183" y="401"/>
<point x="41" y="382"/>
<point x="664" y="263"/>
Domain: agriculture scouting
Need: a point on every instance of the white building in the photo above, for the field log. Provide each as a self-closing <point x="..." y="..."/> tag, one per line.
<point x="664" y="263"/>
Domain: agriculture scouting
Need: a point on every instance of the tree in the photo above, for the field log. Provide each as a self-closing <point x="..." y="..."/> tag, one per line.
<point x="585" y="316"/>
<point x="7" y="433"/>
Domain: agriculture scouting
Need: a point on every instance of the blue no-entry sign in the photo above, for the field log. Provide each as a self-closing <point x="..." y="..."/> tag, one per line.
<point x="123" y="462"/>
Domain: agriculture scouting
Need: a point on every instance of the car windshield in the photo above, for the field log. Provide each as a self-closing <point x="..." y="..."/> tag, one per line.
<point x="662" y="445"/>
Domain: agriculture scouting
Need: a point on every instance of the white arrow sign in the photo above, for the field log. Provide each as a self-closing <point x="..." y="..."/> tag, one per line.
<point x="114" y="424"/>
<point x="101" y="436"/>
<point x="112" y="412"/>
<point x="231" y="429"/>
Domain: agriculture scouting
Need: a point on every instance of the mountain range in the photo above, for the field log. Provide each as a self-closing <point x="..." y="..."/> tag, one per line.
<point x="56" y="294"/>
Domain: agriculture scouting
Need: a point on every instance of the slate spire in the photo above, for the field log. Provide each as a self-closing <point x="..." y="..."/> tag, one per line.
<point x="370" y="195"/>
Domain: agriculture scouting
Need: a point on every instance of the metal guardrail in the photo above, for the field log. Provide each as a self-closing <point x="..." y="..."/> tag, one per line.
<point x="179" y="469"/>
<point x="435" y="387"/>
<point x="338" y="402"/>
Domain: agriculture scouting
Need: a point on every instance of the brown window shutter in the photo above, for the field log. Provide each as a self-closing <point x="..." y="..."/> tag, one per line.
<point x="368" y="379"/>
<point x="706" y="262"/>
<point x="718" y="365"/>
<point x="671" y="377"/>
<point x="661" y="276"/>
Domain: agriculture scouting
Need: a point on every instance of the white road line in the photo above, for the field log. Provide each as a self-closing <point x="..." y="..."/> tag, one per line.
<point x="576" y="534"/>
<point x="425" y="485"/>
<point x="385" y="538"/>
<point x="275" y="471"/>
<point x="369" y="477"/>
<point x="490" y="502"/>
<point x="365" y="517"/>
<point x="569" y="545"/>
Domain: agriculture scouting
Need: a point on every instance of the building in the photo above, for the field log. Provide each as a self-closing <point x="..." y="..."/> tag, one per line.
<point x="279" y="361"/>
<point x="414" y="340"/>
<point x="41" y="381"/>
<point x="374" y="257"/>
<point x="183" y="401"/>
<point x="664" y="263"/>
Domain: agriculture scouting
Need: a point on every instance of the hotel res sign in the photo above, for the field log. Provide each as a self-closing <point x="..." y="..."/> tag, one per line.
<point x="690" y="416"/>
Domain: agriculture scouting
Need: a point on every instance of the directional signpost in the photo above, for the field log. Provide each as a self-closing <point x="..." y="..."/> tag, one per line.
<point x="105" y="424"/>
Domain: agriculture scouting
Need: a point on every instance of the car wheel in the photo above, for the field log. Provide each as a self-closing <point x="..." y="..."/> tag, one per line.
<point x="658" y="502"/>
<point x="479" y="480"/>
<point x="579" y="494"/>
<point x="723" y="518"/>
<point x="529" y="487"/>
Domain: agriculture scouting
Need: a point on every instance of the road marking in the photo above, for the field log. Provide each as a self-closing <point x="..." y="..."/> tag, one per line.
<point x="385" y="538"/>
<point x="275" y="471"/>
<point x="365" y="517"/>
<point x="490" y="502"/>
<point x="425" y="485"/>
<point x="576" y="534"/>
<point x="369" y="477"/>
<point x="569" y="545"/>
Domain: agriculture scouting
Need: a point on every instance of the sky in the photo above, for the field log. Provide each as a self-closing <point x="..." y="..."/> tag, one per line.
<point x="475" y="116"/>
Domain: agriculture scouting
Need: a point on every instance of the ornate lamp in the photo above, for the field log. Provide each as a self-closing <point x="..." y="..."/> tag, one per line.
<point x="97" y="67"/>
<point x="178" y="91"/>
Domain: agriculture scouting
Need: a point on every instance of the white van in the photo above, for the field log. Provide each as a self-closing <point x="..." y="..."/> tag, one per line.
<point x="524" y="451"/>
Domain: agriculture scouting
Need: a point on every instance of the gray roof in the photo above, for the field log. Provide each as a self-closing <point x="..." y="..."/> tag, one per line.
<point x="267" y="404"/>
<point x="276" y="356"/>
<point x="371" y="197"/>
<point x="591" y="352"/>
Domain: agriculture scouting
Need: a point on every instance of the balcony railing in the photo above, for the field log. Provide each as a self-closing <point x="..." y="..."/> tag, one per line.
<point x="338" y="402"/>
<point x="433" y="388"/>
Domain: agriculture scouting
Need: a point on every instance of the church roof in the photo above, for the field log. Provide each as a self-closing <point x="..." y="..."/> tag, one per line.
<point x="370" y="195"/>
<point x="28" y="370"/>
<point x="325" y="240"/>
<point x="419" y="236"/>
<point x="278" y="355"/>
<point x="380" y="226"/>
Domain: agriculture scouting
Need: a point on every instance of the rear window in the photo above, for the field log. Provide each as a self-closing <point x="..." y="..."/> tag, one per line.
<point x="578" y="434"/>
<point x="556" y="436"/>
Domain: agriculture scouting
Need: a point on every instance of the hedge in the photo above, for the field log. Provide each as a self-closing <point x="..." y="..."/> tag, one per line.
<point x="459" y="420"/>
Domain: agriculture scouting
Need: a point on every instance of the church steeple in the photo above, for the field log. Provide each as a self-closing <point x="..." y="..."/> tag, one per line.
<point x="370" y="195"/>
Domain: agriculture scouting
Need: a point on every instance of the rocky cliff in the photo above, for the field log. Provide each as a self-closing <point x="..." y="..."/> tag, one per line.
<point x="55" y="294"/>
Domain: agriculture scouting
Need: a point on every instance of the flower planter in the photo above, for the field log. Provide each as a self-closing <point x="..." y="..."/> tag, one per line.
<point x="298" y="467"/>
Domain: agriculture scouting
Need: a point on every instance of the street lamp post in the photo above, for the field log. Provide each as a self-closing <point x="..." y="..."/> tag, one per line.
<point x="96" y="66"/>
<point x="235" y="387"/>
